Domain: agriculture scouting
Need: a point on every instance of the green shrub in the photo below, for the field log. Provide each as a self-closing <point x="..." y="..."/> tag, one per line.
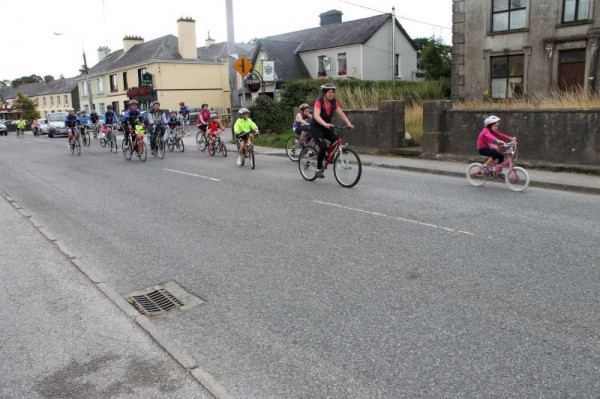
<point x="270" y="116"/>
<point x="274" y="140"/>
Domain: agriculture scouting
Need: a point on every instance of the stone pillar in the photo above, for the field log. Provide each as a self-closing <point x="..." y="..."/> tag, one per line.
<point x="391" y="127"/>
<point x="435" y="126"/>
<point x="458" y="49"/>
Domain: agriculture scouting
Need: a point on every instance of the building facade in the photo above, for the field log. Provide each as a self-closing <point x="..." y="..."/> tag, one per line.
<point x="510" y="48"/>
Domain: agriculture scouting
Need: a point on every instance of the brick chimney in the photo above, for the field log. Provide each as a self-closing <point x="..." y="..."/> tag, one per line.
<point x="103" y="52"/>
<point x="209" y="40"/>
<point x="186" y="38"/>
<point x="130" y="41"/>
<point x="331" y="17"/>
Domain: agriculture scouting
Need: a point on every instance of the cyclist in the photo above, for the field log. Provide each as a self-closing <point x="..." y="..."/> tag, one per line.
<point x="21" y="123"/>
<point x="109" y="120"/>
<point x="184" y="113"/>
<point x="157" y="120"/>
<point x="489" y="138"/>
<point x="203" y="120"/>
<point x="85" y="121"/>
<point x="321" y="127"/>
<point x="172" y="121"/>
<point x="130" y="117"/>
<point x="35" y="127"/>
<point x="94" y="118"/>
<point x="214" y="127"/>
<point x="72" y="121"/>
<point x="244" y="129"/>
<point x="302" y="122"/>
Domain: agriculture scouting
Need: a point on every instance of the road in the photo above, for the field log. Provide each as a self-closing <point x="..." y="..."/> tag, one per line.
<point x="407" y="285"/>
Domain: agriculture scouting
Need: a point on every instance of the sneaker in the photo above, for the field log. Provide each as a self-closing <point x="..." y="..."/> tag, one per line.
<point x="319" y="173"/>
<point x="153" y="152"/>
<point x="240" y="160"/>
<point x="501" y="175"/>
<point x="487" y="170"/>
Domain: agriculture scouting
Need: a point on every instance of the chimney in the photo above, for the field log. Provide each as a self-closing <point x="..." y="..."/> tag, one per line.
<point x="209" y="40"/>
<point x="103" y="52"/>
<point x="130" y="41"/>
<point x="331" y="17"/>
<point x="186" y="38"/>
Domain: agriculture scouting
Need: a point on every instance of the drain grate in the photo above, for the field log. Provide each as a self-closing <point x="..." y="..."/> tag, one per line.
<point x="160" y="299"/>
<point x="156" y="302"/>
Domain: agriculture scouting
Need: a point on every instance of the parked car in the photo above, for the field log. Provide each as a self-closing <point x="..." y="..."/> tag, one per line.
<point x="56" y="124"/>
<point x="43" y="126"/>
<point x="3" y="129"/>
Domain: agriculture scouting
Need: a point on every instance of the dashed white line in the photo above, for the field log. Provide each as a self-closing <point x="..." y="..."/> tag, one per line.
<point x="192" y="174"/>
<point x="400" y="219"/>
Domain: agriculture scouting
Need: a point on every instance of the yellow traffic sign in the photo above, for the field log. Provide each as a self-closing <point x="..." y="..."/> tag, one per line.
<point x="243" y="65"/>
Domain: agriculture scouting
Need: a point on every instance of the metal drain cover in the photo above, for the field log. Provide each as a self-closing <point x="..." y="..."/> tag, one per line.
<point x="159" y="299"/>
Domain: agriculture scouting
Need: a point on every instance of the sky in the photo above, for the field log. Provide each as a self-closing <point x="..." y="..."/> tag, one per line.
<point x="30" y="46"/>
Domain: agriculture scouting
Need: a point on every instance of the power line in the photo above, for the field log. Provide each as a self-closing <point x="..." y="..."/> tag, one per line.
<point x="382" y="12"/>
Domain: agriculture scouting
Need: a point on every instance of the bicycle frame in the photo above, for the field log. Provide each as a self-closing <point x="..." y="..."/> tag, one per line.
<point x="509" y="159"/>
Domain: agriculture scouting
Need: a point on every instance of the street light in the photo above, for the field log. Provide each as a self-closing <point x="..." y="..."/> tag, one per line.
<point x="85" y="67"/>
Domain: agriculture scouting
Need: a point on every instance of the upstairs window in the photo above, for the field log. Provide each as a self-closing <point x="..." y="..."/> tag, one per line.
<point x="342" y="64"/>
<point x="125" y="84"/>
<point x="397" y="65"/>
<point x="324" y="65"/>
<point x="576" y="10"/>
<point x="141" y="73"/>
<point x="113" y="83"/>
<point x="58" y="100"/>
<point x="507" y="76"/>
<point x="100" y="86"/>
<point x="509" y="15"/>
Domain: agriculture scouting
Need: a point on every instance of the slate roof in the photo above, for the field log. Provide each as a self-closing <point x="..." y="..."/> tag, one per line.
<point x="288" y="64"/>
<point x="341" y="34"/>
<point x="58" y="86"/>
<point x="218" y="51"/>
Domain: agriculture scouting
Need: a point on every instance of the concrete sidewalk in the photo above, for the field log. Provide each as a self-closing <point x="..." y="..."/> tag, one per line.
<point x="62" y="337"/>
<point x="586" y="183"/>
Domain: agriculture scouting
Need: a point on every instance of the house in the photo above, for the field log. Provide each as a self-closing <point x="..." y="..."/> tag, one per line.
<point x="505" y="49"/>
<point x="52" y="96"/>
<point x="172" y="69"/>
<point x="359" y="49"/>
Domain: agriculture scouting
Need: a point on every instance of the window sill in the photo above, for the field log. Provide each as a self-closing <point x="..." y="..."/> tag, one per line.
<point x="574" y="23"/>
<point x="507" y="32"/>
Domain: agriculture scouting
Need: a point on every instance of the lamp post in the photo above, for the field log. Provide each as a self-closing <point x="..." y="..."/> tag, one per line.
<point x="85" y="67"/>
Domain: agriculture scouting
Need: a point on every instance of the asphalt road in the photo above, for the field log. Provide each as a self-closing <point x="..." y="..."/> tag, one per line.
<point x="407" y="285"/>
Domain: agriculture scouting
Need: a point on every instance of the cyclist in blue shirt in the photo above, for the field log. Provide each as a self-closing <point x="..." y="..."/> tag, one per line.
<point x="109" y="120"/>
<point x="130" y="117"/>
<point x="71" y="121"/>
<point x="184" y="114"/>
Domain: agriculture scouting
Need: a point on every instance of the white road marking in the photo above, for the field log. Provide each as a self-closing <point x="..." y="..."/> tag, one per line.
<point x="400" y="219"/>
<point x="191" y="174"/>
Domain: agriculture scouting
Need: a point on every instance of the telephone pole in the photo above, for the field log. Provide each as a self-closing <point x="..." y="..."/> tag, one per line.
<point x="232" y="56"/>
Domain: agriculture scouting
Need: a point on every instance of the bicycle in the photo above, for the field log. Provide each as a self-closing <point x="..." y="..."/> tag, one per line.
<point x="95" y="130"/>
<point x="217" y="146"/>
<point x="106" y="138"/>
<point x="175" y="139"/>
<point x="249" y="148"/>
<point x="86" y="135"/>
<point x="160" y="144"/>
<point x="516" y="178"/>
<point x="347" y="167"/>
<point x="76" y="146"/>
<point x="135" y="144"/>
<point x="293" y="147"/>
<point x="202" y="139"/>
<point x="20" y="133"/>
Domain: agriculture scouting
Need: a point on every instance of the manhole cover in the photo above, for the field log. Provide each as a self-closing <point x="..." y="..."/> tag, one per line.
<point x="159" y="299"/>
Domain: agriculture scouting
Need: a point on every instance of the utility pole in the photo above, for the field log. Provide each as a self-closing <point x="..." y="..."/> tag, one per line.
<point x="394" y="45"/>
<point x="232" y="55"/>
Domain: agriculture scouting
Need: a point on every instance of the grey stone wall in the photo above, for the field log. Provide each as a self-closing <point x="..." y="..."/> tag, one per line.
<point x="556" y="136"/>
<point x="381" y="129"/>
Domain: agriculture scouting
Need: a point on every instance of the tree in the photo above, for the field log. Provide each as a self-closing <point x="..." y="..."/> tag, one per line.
<point x="48" y="78"/>
<point x="26" y="106"/>
<point x="26" y="79"/>
<point x="434" y="57"/>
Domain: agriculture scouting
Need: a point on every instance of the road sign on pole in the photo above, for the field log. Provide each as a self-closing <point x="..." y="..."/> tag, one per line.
<point x="243" y="65"/>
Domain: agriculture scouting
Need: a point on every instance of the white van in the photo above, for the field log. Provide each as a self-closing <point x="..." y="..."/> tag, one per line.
<point x="56" y="124"/>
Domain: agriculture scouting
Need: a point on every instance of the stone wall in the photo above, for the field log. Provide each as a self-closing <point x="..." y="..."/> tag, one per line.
<point x="555" y="136"/>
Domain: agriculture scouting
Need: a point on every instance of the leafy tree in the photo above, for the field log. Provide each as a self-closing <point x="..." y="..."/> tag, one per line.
<point x="26" y="106"/>
<point x="434" y="57"/>
<point x="48" y="78"/>
<point x="26" y="79"/>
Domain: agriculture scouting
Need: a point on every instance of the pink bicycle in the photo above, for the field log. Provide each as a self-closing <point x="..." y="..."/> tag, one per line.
<point x="516" y="178"/>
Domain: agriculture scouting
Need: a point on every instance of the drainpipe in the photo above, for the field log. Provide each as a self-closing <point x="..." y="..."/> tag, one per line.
<point x="393" y="43"/>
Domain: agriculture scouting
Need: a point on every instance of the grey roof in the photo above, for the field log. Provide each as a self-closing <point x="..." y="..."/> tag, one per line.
<point x="7" y="93"/>
<point x="288" y="64"/>
<point x="58" y="86"/>
<point x="337" y="35"/>
<point x="218" y="51"/>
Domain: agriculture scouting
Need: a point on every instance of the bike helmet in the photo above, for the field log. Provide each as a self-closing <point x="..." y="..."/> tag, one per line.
<point x="326" y="87"/>
<point x="172" y="111"/>
<point x="70" y="109"/>
<point x="133" y="102"/>
<point x="304" y="106"/>
<point x="243" y="111"/>
<point x="213" y="115"/>
<point x="109" y="106"/>
<point x="490" y="120"/>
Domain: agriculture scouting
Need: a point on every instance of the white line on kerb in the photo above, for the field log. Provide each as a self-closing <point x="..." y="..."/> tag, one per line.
<point x="191" y="174"/>
<point x="383" y="215"/>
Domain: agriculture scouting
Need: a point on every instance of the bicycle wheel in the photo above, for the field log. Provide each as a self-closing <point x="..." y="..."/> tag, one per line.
<point x="347" y="167"/>
<point x="78" y="148"/>
<point x="180" y="145"/>
<point x="223" y="149"/>
<point x="160" y="148"/>
<point x="293" y="148"/>
<point x="72" y="147"/>
<point x="127" y="153"/>
<point x="517" y="179"/>
<point x="212" y="149"/>
<point x="200" y="142"/>
<point x="142" y="153"/>
<point x="307" y="163"/>
<point x="88" y="139"/>
<point x="251" y="157"/>
<point x="476" y="175"/>
<point x="103" y="143"/>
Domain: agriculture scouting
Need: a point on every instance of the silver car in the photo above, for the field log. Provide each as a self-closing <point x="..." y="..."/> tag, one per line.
<point x="3" y="129"/>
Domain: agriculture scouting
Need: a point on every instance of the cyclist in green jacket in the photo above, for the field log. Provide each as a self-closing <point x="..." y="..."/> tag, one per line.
<point x="21" y="126"/>
<point x="244" y="129"/>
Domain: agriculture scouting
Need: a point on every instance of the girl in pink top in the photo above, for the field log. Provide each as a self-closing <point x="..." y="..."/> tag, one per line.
<point x="490" y="136"/>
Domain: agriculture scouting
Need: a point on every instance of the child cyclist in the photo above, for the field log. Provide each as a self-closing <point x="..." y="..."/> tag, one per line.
<point x="301" y="124"/>
<point x="244" y="130"/>
<point x="214" y="127"/>
<point x="488" y="141"/>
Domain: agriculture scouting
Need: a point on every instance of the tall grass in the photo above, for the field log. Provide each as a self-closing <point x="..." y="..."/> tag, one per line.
<point x="414" y="124"/>
<point x="368" y="96"/>
<point x="550" y="100"/>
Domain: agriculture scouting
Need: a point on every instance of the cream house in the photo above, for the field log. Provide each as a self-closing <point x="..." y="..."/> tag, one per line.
<point x="51" y="96"/>
<point x="173" y="67"/>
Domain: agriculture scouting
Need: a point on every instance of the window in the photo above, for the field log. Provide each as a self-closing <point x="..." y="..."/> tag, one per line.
<point x="113" y="83"/>
<point x="125" y="85"/>
<point x="100" y="86"/>
<point x="58" y="100"/>
<point x="44" y="101"/>
<point x="141" y="72"/>
<point x="102" y="108"/>
<point x="324" y="65"/>
<point x="397" y="65"/>
<point x="507" y="76"/>
<point x="51" y="101"/>
<point x="576" y="10"/>
<point x="84" y="88"/>
<point x="509" y="15"/>
<point x="342" y="64"/>
<point x="66" y="99"/>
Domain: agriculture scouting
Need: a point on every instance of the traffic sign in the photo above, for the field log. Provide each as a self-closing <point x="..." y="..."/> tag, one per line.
<point x="242" y="65"/>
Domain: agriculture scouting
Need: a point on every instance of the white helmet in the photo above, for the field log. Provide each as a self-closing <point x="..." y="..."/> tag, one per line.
<point x="244" y="111"/>
<point x="490" y="120"/>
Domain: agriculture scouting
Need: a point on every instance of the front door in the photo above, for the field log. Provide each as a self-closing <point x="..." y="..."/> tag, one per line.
<point x="571" y="72"/>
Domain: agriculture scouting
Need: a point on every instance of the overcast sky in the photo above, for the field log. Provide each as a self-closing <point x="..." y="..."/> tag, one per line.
<point x="30" y="47"/>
